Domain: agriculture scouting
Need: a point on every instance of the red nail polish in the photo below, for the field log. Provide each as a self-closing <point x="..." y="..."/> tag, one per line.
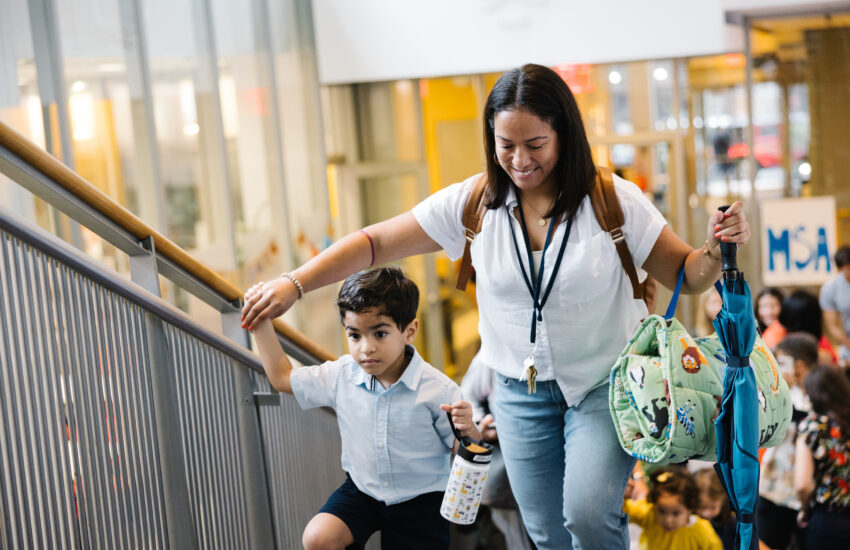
<point x="723" y="239"/>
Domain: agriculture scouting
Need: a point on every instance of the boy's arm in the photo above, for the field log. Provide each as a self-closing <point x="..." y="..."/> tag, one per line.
<point x="275" y="362"/>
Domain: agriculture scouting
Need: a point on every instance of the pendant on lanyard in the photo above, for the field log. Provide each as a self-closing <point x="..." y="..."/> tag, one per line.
<point x="534" y="285"/>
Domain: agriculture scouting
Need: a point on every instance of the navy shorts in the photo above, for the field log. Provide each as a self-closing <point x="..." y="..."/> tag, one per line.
<point x="415" y="523"/>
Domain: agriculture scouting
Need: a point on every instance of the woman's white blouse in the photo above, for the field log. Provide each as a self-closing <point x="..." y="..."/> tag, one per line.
<point x="590" y="314"/>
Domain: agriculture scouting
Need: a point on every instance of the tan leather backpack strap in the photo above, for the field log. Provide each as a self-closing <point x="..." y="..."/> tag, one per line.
<point x="473" y="216"/>
<point x="609" y="214"/>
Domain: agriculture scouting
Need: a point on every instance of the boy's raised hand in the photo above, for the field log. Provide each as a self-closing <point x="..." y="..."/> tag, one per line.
<point x="462" y="417"/>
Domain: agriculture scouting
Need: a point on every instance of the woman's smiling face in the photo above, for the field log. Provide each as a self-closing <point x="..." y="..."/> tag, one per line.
<point x="526" y="147"/>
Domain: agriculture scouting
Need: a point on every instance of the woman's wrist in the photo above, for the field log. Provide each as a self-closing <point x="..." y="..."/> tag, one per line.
<point x="295" y="282"/>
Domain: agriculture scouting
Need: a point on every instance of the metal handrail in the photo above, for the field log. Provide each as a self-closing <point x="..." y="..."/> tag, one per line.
<point x="82" y="190"/>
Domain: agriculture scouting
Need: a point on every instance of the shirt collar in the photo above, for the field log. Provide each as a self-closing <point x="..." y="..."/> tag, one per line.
<point x="410" y="377"/>
<point x="510" y="199"/>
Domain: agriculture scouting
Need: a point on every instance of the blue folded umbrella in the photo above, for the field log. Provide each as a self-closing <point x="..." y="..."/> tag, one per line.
<point x="737" y="424"/>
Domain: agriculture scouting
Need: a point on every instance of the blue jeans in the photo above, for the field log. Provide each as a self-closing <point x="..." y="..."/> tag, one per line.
<point x="565" y="465"/>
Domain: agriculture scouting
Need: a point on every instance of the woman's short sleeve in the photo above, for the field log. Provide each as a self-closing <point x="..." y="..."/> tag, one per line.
<point x="643" y="222"/>
<point x="441" y="217"/>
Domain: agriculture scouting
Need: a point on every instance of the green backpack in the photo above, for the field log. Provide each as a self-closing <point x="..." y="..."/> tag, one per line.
<point x="666" y="387"/>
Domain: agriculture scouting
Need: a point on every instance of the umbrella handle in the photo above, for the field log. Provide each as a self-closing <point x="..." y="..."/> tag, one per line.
<point x="728" y="251"/>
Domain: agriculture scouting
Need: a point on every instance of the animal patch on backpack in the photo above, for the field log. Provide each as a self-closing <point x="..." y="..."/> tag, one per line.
<point x="767" y="433"/>
<point x="683" y="415"/>
<point x="762" y="400"/>
<point x="637" y="374"/>
<point x="658" y="419"/>
<point x="692" y="358"/>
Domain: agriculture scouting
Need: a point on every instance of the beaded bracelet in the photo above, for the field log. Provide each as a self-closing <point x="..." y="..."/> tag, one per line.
<point x="295" y="281"/>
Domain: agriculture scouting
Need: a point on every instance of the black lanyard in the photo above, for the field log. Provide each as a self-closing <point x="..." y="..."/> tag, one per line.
<point x="534" y="284"/>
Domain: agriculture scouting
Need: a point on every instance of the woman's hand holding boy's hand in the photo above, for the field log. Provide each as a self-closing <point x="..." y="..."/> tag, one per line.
<point x="462" y="417"/>
<point x="265" y="301"/>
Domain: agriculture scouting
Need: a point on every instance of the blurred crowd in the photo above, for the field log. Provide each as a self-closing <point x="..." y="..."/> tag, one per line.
<point x="804" y="488"/>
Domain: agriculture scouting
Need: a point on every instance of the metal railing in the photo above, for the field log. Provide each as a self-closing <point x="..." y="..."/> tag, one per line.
<point x="123" y="423"/>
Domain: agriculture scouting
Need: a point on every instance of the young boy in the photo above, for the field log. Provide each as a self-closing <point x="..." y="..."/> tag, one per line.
<point x="391" y="409"/>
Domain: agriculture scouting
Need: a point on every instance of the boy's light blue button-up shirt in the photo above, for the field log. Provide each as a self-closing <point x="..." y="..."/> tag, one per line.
<point x="396" y="442"/>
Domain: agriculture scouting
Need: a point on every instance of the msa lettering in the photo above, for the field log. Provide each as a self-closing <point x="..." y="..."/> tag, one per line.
<point x="795" y="245"/>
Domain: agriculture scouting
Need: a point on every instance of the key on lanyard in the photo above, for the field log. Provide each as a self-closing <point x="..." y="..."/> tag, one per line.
<point x="529" y="371"/>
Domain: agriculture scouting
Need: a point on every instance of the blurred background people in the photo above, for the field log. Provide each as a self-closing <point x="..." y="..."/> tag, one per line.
<point x="498" y="524"/>
<point x="835" y="303"/>
<point x="778" y="502"/>
<point x="668" y="517"/>
<point x="822" y="461"/>
<point x="710" y="303"/>
<point x="768" y="305"/>
<point x="714" y="506"/>
<point x="801" y="312"/>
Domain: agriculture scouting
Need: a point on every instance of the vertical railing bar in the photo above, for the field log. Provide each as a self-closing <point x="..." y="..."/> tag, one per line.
<point x="34" y="398"/>
<point x="94" y="457"/>
<point x="148" y="437"/>
<point x="67" y="479"/>
<point x="75" y="399"/>
<point x="189" y="439"/>
<point x="228" y="439"/>
<point x="9" y="458"/>
<point x="50" y="397"/>
<point x="24" y="412"/>
<point x="204" y="369"/>
<point x="132" y="436"/>
<point x="224" y="420"/>
<point x="125" y="435"/>
<point x="132" y="412"/>
<point x="56" y="276"/>
<point x="103" y="433"/>
<point x="205" y="477"/>
<point x="113" y="466"/>
<point x="120" y="452"/>
<point x="227" y="374"/>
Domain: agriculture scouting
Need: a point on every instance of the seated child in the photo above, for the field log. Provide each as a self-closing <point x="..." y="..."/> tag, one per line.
<point x="391" y="410"/>
<point x="666" y="516"/>
<point x="714" y="506"/>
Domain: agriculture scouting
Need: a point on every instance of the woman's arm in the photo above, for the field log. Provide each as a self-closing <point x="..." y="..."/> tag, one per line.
<point x="395" y="238"/>
<point x="804" y="470"/>
<point x="701" y="270"/>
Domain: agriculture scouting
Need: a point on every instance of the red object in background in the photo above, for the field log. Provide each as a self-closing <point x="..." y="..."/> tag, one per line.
<point x="767" y="149"/>
<point x="577" y="77"/>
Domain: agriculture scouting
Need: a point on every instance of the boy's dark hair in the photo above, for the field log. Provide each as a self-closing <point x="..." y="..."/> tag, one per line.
<point x="801" y="346"/>
<point x="541" y="91"/>
<point x="386" y="289"/>
<point x="842" y="256"/>
<point x="675" y="481"/>
<point x="829" y="391"/>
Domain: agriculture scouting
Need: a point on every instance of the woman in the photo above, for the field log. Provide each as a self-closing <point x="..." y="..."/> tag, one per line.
<point x="822" y="460"/>
<point x="561" y="452"/>
<point x="768" y="305"/>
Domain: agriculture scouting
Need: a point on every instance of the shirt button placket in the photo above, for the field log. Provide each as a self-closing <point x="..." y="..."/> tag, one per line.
<point x="383" y="452"/>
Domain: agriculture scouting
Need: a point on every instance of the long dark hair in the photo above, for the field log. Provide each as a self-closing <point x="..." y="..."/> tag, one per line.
<point x="542" y="92"/>
<point x="829" y="393"/>
<point x="801" y="312"/>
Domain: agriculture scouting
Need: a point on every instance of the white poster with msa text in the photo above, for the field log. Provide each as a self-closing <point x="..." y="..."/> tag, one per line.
<point x="798" y="241"/>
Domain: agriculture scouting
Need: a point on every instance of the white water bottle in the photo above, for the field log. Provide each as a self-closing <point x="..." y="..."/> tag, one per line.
<point x="466" y="481"/>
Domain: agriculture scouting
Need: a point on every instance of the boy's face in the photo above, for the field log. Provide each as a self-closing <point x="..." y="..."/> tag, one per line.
<point x="377" y="344"/>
